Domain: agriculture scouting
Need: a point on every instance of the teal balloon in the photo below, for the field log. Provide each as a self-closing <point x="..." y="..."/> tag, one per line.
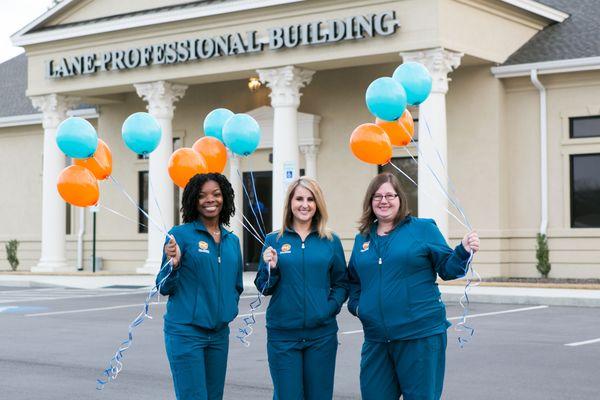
<point x="416" y="80"/>
<point x="77" y="138"/>
<point x="141" y="132"/>
<point x="386" y="99"/>
<point x="241" y="134"/>
<point x="214" y="121"/>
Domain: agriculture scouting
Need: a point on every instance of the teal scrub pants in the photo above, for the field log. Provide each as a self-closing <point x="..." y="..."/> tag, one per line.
<point x="411" y="368"/>
<point x="303" y="370"/>
<point x="198" y="364"/>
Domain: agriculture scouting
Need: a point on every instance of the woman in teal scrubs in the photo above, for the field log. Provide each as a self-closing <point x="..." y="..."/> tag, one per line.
<point x="204" y="288"/>
<point x="304" y="270"/>
<point x="393" y="269"/>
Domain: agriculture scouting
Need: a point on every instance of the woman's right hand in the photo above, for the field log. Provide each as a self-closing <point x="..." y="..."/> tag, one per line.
<point x="173" y="252"/>
<point x="270" y="257"/>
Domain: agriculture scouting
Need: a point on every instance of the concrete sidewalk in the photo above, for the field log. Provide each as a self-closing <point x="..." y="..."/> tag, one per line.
<point x="483" y="293"/>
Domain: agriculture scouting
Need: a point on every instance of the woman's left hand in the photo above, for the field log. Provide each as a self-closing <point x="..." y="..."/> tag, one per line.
<point x="471" y="242"/>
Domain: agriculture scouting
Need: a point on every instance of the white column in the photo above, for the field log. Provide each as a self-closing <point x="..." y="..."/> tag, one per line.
<point x="285" y="84"/>
<point x="160" y="97"/>
<point x="236" y="183"/>
<point x="53" y="255"/>
<point x="310" y="152"/>
<point x="433" y="133"/>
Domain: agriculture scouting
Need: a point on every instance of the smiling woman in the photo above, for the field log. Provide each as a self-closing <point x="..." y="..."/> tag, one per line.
<point x="204" y="288"/>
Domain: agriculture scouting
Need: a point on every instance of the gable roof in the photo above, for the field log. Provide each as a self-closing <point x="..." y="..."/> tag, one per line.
<point x="576" y="37"/>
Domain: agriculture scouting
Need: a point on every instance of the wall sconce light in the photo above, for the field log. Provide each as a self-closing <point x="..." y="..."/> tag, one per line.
<point x="254" y="84"/>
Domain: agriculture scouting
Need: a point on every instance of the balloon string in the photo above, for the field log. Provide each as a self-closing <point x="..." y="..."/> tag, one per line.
<point x="470" y="272"/>
<point x="250" y="204"/>
<point x="121" y="215"/>
<point x="245" y="226"/>
<point x="245" y="331"/>
<point x="257" y="200"/>
<point x="132" y="201"/>
<point x="115" y="365"/>
<point x="427" y="194"/>
<point x="156" y="202"/>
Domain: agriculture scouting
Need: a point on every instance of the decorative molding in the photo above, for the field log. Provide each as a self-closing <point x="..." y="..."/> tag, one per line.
<point x="535" y="7"/>
<point x="161" y="97"/>
<point x="285" y="84"/>
<point x="439" y="61"/>
<point x="54" y="108"/>
<point x="24" y="37"/>
<point x="547" y="67"/>
<point x="35" y="119"/>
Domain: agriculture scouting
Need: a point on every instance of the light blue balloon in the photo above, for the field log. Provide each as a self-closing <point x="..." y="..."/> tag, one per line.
<point x="241" y="134"/>
<point x="386" y="99"/>
<point x="141" y="132"/>
<point x="77" y="138"/>
<point x="416" y="80"/>
<point x="214" y="121"/>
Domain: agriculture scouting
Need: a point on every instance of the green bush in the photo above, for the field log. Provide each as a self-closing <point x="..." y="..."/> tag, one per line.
<point x="542" y="255"/>
<point x="11" y="253"/>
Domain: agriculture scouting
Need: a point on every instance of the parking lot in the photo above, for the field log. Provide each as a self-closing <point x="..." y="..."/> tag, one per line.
<point x="55" y="342"/>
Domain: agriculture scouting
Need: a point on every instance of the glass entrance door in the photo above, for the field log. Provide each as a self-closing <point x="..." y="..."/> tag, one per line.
<point x="259" y="205"/>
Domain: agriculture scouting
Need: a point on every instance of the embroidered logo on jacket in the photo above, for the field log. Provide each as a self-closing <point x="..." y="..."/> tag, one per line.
<point x="365" y="247"/>
<point x="203" y="247"/>
<point x="286" y="248"/>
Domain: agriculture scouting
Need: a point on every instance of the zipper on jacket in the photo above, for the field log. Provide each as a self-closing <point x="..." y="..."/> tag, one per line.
<point x="380" y="262"/>
<point x="304" y="280"/>
<point x="219" y="277"/>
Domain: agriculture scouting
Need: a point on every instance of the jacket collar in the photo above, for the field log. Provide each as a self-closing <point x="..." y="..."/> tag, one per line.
<point x="373" y="230"/>
<point x="199" y="226"/>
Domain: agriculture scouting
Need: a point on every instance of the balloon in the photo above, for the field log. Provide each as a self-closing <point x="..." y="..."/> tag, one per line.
<point x="100" y="164"/>
<point x="214" y="121"/>
<point x="141" y="133"/>
<point x="184" y="164"/>
<point x="386" y="99"/>
<point x="78" y="186"/>
<point x="400" y="131"/>
<point x="370" y="143"/>
<point x="77" y="138"/>
<point x="241" y="134"/>
<point x="213" y="152"/>
<point x="415" y="79"/>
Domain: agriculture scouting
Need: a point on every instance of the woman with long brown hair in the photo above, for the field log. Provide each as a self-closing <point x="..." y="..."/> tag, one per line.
<point x="393" y="269"/>
<point x="304" y="270"/>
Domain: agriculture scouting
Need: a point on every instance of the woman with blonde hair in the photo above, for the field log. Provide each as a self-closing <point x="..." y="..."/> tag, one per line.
<point x="304" y="270"/>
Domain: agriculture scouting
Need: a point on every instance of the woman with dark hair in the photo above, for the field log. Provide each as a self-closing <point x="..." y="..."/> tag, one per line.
<point x="393" y="291"/>
<point x="204" y="288"/>
<point x="304" y="269"/>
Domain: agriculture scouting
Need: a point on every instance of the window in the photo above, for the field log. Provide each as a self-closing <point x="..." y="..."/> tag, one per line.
<point x="585" y="191"/>
<point x="68" y="220"/>
<point x="410" y="168"/>
<point x="143" y="201"/>
<point x="584" y="127"/>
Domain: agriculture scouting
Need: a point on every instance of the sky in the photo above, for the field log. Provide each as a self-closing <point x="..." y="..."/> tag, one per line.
<point x="14" y="15"/>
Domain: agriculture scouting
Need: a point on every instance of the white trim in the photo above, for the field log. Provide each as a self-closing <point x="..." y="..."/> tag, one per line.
<point x="41" y="19"/>
<point x="543" y="151"/>
<point x="547" y="67"/>
<point x="22" y="38"/>
<point x="539" y="9"/>
<point x="35" y="119"/>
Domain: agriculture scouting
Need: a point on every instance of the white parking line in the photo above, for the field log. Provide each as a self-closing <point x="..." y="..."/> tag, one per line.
<point x="583" y="343"/>
<point x="475" y="316"/>
<point x="83" y="296"/>
<point x="88" y="309"/>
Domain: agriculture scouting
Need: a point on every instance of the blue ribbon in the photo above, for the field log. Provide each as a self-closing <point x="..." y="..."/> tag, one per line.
<point x="115" y="365"/>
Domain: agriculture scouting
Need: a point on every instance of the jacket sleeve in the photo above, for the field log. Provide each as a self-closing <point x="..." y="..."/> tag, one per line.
<point x="449" y="264"/>
<point x="239" y="285"/>
<point x="354" y="286"/>
<point x="266" y="281"/>
<point x="166" y="281"/>
<point x="338" y="276"/>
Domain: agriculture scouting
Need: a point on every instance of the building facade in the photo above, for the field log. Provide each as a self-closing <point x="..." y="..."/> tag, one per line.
<point x="514" y="117"/>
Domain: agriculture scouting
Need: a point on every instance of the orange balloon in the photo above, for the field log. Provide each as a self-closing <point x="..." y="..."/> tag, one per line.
<point x="370" y="143"/>
<point x="213" y="152"/>
<point x="78" y="186"/>
<point x="100" y="164"/>
<point x="184" y="164"/>
<point x="400" y="131"/>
